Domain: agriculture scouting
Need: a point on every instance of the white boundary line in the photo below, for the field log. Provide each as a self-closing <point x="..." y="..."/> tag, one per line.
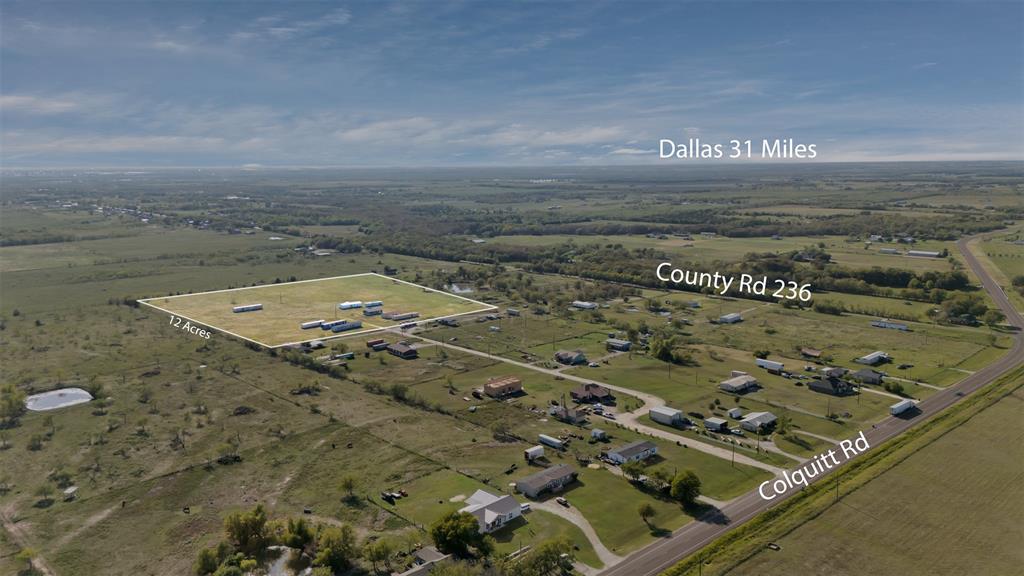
<point x="485" y="307"/>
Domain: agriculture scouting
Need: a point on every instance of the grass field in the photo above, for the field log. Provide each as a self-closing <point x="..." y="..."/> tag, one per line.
<point x="287" y="305"/>
<point x="912" y="520"/>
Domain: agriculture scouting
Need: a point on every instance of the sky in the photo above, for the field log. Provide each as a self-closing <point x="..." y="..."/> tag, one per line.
<point x="502" y="83"/>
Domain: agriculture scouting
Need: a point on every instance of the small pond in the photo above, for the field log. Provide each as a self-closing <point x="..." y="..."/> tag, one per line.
<point x="54" y="399"/>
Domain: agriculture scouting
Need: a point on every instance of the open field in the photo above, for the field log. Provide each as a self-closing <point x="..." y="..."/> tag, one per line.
<point x="914" y="508"/>
<point x="287" y="305"/>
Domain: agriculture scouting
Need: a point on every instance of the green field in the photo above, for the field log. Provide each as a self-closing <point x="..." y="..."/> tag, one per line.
<point x="912" y="520"/>
<point x="287" y="305"/>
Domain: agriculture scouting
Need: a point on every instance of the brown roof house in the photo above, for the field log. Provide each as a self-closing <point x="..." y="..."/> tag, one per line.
<point x="503" y="386"/>
<point x="589" y="393"/>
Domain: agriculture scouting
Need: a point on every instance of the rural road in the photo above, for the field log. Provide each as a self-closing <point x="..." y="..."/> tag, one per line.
<point x="628" y="419"/>
<point x="690" y="538"/>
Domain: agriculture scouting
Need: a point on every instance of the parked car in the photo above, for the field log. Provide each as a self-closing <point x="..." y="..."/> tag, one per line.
<point x="524" y="508"/>
<point x="562" y="501"/>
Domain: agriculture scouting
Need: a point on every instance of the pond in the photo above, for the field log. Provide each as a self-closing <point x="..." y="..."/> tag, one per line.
<point x="54" y="399"/>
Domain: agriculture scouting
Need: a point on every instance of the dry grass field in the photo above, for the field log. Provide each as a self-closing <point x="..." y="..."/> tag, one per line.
<point x="287" y="305"/>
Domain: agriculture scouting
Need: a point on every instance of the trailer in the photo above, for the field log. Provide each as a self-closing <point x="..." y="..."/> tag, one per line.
<point x="400" y="315"/>
<point x="770" y="365"/>
<point x="311" y="324"/>
<point x="550" y="441"/>
<point x="533" y="453"/>
<point x="350" y="305"/>
<point x="347" y="325"/>
<point x="377" y="311"/>
<point x="374" y="304"/>
<point x="331" y="324"/>
<point x="247" y="308"/>
<point x="902" y="406"/>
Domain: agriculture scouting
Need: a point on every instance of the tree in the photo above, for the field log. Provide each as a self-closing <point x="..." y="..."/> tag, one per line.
<point x="380" y="551"/>
<point x="247" y="531"/>
<point x="298" y="533"/>
<point x="207" y="562"/>
<point x="992" y="317"/>
<point x="686" y="487"/>
<point x="457" y="532"/>
<point x="549" y="557"/>
<point x="633" y="470"/>
<point x="12" y="405"/>
<point x="336" y="548"/>
<point x="646" y="512"/>
<point x="348" y="484"/>
<point x="27" y="555"/>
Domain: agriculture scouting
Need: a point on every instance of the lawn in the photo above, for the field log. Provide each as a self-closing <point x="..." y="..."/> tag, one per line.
<point x="289" y="304"/>
<point x="610" y="504"/>
<point x="434" y="495"/>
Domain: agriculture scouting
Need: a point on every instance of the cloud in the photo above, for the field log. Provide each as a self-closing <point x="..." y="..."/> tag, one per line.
<point x="280" y="28"/>
<point x="36" y="104"/>
<point x="172" y="46"/>
<point x="627" y="151"/>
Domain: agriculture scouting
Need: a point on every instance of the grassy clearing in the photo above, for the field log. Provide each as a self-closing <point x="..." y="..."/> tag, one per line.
<point x="287" y="305"/>
<point x="615" y="518"/>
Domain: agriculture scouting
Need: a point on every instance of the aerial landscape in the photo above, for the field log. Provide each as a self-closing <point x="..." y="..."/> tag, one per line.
<point x="523" y="346"/>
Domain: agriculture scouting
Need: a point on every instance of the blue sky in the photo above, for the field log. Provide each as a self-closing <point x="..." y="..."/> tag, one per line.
<point x="500" y="83"/>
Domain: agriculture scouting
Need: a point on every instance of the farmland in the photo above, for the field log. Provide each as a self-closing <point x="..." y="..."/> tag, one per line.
<point x="285" y="306"/>
<point x="216" y="426"/>
<point x="856" y="538"/>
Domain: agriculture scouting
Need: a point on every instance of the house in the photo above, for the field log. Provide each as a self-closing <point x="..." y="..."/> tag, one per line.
<point x="735" y="413"/>
<point x="503" y="386"/>
<point x="755" y="421"/>
<point x="590" y="393"/>
<point x="550" y="479"/>
<point x="833" y="386"/>
<point x="716" y="424"/>
<point x="730" y="318"/>
<point x="533" y="453"/>
<point x="868" y="376"/>
<point x="247" y="308"/>
<point x="583" y="305"/>
<point x="890" y="325"/>
<point x="770" y="365"/>
<point x="570" y="358"/>
<point x="402" y="350"/>
<point x="833" y="372"/>
<point x="888" y="251"/>
<point x="492" y="512"/>
<point x="512" y="311"/>
<point x="399" y="316"/>
<point x="598" y="434"/>
<point x="618" y="345"/>
<point x="373" y="311"/>
<point x="568" y="415"/>
<point x="923" y="253"/>
<point x="876" y="238"/>
<point x="424" y="561"/>
<point x="810" y="353"/>
<point x="874" y="358"/>
<point x="738" y="384"/>
<point x="666" y="415"/>
<point x="633" y="452"/>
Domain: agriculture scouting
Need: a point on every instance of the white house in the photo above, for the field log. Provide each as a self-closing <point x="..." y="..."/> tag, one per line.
<point x="492" y="512"/>
<point x="633" y="452"/>
<point x="582" y="305"/>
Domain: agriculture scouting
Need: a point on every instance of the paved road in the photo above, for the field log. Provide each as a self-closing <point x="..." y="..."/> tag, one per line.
<point x="695" y="535"/>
